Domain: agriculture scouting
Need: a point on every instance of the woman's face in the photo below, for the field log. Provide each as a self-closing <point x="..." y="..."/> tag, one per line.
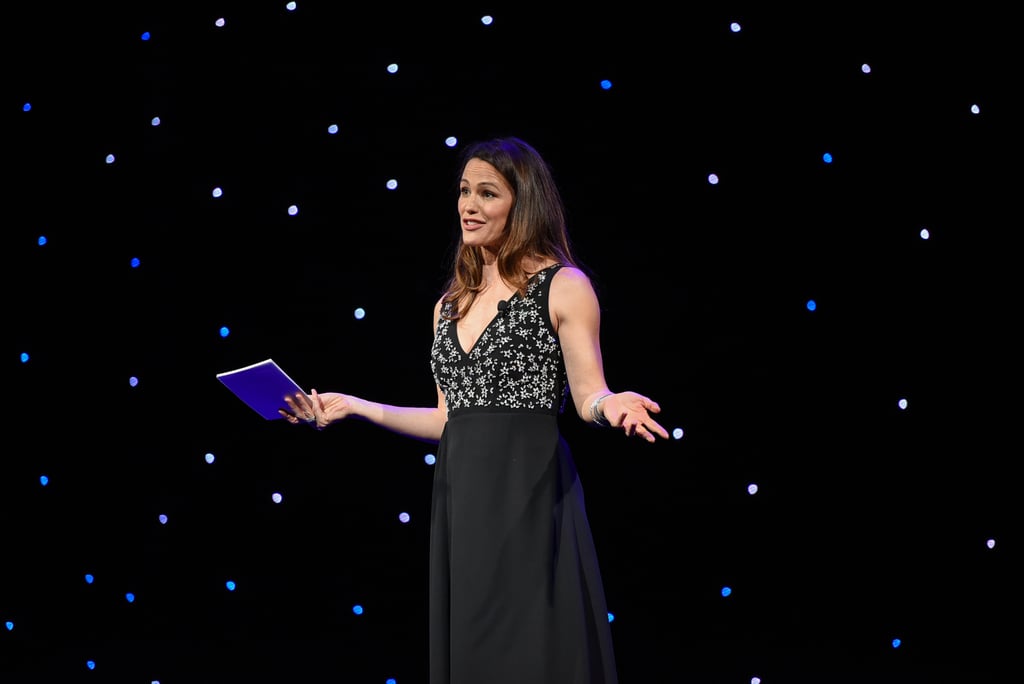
<point x="485" y="200"/>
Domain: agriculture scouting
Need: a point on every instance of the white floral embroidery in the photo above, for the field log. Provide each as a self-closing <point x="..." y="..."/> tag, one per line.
<point x="516" y="363"/>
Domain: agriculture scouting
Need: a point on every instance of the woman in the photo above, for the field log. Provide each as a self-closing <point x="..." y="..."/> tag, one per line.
<point x="515" y="588"/>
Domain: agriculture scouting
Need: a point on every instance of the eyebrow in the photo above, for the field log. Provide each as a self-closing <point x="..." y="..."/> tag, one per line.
<point x="489" y="184"/>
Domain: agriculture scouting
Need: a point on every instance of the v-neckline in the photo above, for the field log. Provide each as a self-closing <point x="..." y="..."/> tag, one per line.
<point x="483" y="331"/>
<point x="497" y="314"/>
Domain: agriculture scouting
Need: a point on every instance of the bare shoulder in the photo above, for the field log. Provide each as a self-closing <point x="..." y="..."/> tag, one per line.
<point x="572" y="296"/>
<point x="437" y="313"/>
<point x="570" y="282"/>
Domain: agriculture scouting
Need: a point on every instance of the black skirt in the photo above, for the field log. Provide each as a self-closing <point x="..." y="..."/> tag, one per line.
<point x="515" y="590"/>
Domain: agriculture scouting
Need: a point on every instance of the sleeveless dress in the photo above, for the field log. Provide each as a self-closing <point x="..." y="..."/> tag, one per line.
<point x="516" y="595"/>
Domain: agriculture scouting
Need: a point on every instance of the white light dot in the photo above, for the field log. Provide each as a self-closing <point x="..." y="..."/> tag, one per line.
<point x="276" y="497"/>
<point x="975" y="109"/>
<point x="110" y="159"/>
<point x="218" y="192"/>
<point x="332" y="129"/>
<point x="991" y="543"/>
<point x="404" y="517"/>
<point x="359" y="313"/>
<point x="677" y="433"/>
<point x="155" y="121"/>
<point x="392" y="68"/>
<point x="751" y="489"/>
<point x="713" y="178"/>
<point x="902" y="403"/>
<point x="392" y="184"/>
<point x="451" y="141"/>
<point x="293" y="210"/>
<point x="429" y="459"/>
<point x="487" y="20"/>
<point x="925" y="234"/>
<point x="865" y="68"/>
<point x="219" y="23"/>
<point x="290" y="6"/>
<point x="209" y="458"/>
<point x="735" y="27"/>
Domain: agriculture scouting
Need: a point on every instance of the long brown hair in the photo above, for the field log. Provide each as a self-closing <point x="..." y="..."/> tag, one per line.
<point x="536" y="225"/>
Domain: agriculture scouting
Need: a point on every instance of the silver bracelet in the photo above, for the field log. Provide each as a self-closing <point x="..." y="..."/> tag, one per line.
<point x="596" y="414"/>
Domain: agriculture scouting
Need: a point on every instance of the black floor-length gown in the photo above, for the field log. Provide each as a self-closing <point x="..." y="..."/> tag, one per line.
<point x="516" y="595"/>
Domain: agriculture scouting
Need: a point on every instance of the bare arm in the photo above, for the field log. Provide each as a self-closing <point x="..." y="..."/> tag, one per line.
<point x="576" y="315"/>
<point x="322" y="409"/>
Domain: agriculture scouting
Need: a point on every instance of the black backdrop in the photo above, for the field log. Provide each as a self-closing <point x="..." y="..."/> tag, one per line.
<point x="870" y="521"/>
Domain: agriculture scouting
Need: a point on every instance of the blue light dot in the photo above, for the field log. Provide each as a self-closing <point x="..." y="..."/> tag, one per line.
<point x="130" y="597"/>
<point x="27" y="107"/>
<point x="155" y="121"/>
<point x="43" y="480"/>
<point x="429" y="459"/>
<point x="89" y="579"/>
<point x="224" y="331"/>
<point x="726" y="591"/>
<point x="230" y="585"/>
<point x="146" y="35"/>
<point x="811" y="305"/>
<point x="357" y="609"/>
<point x="9" y="625"/>
<point x="606" y="84"/>
<point x="611" y="617"/>
<point x="91" y="664"/>
<point x="41" y="241"/>
<point x="827" y="157"/>
<point x="24" y="357"/>
<point x="391" y="680"/>
<point x="135" y="262"/>
<point x="163" y="519"/>
<point x="896" y="643"/>
<point x="133" y="381"/>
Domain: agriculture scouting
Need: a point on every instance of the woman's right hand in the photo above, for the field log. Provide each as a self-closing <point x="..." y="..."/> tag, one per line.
<point x="318" y="410"/>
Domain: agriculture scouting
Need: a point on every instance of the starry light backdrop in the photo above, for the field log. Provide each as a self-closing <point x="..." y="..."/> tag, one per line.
<point x="800" y="228"/>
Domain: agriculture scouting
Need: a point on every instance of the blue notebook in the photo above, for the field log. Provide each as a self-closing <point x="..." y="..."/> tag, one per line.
<point x="263" y="386"/>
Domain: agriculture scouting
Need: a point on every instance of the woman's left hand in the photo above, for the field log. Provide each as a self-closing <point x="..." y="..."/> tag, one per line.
<point x="631" y="412"/>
